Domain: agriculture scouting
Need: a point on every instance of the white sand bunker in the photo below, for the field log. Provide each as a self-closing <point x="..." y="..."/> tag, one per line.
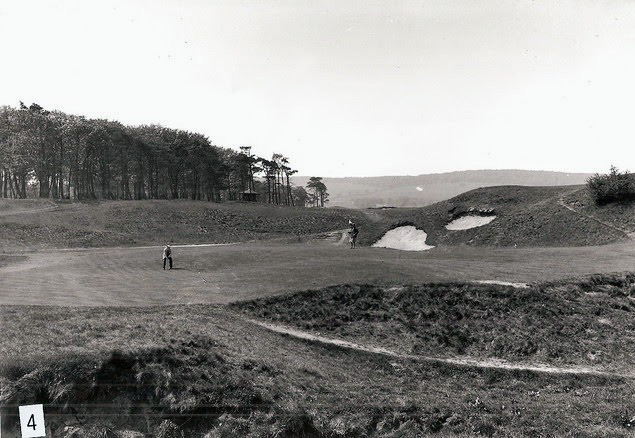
<point x="406" y="238"/>
<point x="503" y="283"/>
<point x="469" y="221"/>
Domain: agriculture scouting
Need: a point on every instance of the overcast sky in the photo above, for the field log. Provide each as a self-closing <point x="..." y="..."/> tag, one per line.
<point x="344" y="88"/>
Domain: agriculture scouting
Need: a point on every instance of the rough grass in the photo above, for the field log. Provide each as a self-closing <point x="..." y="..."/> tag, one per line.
<point x="181" y="379"/>
<point x="201" y="371"/>
<point x="586" y="321"/>
<point x="116" y="223"/>
<point x="619" y="214"/>
<point x="526" y="216"/>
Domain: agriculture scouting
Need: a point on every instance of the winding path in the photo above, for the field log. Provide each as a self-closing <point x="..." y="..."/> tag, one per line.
<point x="626" y="233"/>
<point x="499" y="364"/>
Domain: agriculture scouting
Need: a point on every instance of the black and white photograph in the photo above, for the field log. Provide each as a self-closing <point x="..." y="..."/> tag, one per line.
<point x="317" y="218"/>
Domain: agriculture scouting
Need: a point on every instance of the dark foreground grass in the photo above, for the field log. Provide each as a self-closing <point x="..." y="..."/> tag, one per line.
<point x="203" y="371"/>
<point x="182" y="381"/>
<point x="589" y="321"/>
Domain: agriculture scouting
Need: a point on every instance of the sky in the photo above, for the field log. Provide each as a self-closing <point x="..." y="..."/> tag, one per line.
<point x="344" y="88"/>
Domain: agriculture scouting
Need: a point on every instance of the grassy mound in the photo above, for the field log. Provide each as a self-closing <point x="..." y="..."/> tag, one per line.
<point x="587" y="321"/>
<point x="526" y="216"/>
<point x="183" y="386"/>
<point x="113" y="223"/>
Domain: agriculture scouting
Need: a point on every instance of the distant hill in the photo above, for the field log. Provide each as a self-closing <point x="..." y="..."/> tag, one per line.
<point x="422" y="190"/>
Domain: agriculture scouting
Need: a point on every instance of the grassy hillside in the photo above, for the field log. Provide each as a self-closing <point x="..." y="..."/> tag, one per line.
<point x="401" y="191"/>
<point x="618" y="214"/>
<point x="584" y="322"/>
<point x="526" y="216"/>
<point x="113" y="223"/>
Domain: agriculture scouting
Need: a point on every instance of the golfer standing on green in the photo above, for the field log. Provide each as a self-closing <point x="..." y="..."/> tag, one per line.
<point x="167" y="255"/>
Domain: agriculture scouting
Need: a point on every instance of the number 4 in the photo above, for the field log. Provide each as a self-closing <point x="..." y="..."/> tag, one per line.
<point x="31" y="422"/>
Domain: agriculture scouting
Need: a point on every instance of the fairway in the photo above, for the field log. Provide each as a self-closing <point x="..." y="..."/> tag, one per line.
<point x="227" y="273"/>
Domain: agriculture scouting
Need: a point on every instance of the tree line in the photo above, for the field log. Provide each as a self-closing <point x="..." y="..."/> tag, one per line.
<point x="51" y="154"/>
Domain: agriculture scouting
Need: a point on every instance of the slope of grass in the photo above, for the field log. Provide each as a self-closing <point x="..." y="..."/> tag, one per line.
<point x="526" y="216"/>
<point x="115" y="223"/>
<point x="588" y="321"/>
<point x="202" y="371"/>
<point x="619" y="214"/>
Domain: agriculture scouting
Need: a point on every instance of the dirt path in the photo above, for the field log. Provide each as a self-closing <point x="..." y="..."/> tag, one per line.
<point x="503" y="283"/>
<point x="470" y="362"/>
<point x="626" y="233"/>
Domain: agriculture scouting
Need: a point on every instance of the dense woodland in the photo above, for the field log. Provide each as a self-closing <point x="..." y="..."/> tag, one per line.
<point x="51" y="154"/>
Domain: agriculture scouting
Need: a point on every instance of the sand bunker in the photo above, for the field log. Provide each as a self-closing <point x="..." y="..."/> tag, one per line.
<point x="469" y="221"/>
<point x="406" y="238"/>
<point x="503" y="283"/>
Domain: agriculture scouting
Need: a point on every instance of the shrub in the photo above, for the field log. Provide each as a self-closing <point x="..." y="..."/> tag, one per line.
<point x="616" y="186"/>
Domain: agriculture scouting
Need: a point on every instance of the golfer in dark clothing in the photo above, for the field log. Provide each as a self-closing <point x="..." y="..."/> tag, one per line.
<point x="353" y="234"/>
<point x="167" y="255"/>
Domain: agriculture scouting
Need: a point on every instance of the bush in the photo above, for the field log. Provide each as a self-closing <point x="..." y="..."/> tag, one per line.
<point x="616" y="186"/>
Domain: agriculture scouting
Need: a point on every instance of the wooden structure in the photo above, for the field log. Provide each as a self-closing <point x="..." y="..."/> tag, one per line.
<point x="249" y="196"/>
